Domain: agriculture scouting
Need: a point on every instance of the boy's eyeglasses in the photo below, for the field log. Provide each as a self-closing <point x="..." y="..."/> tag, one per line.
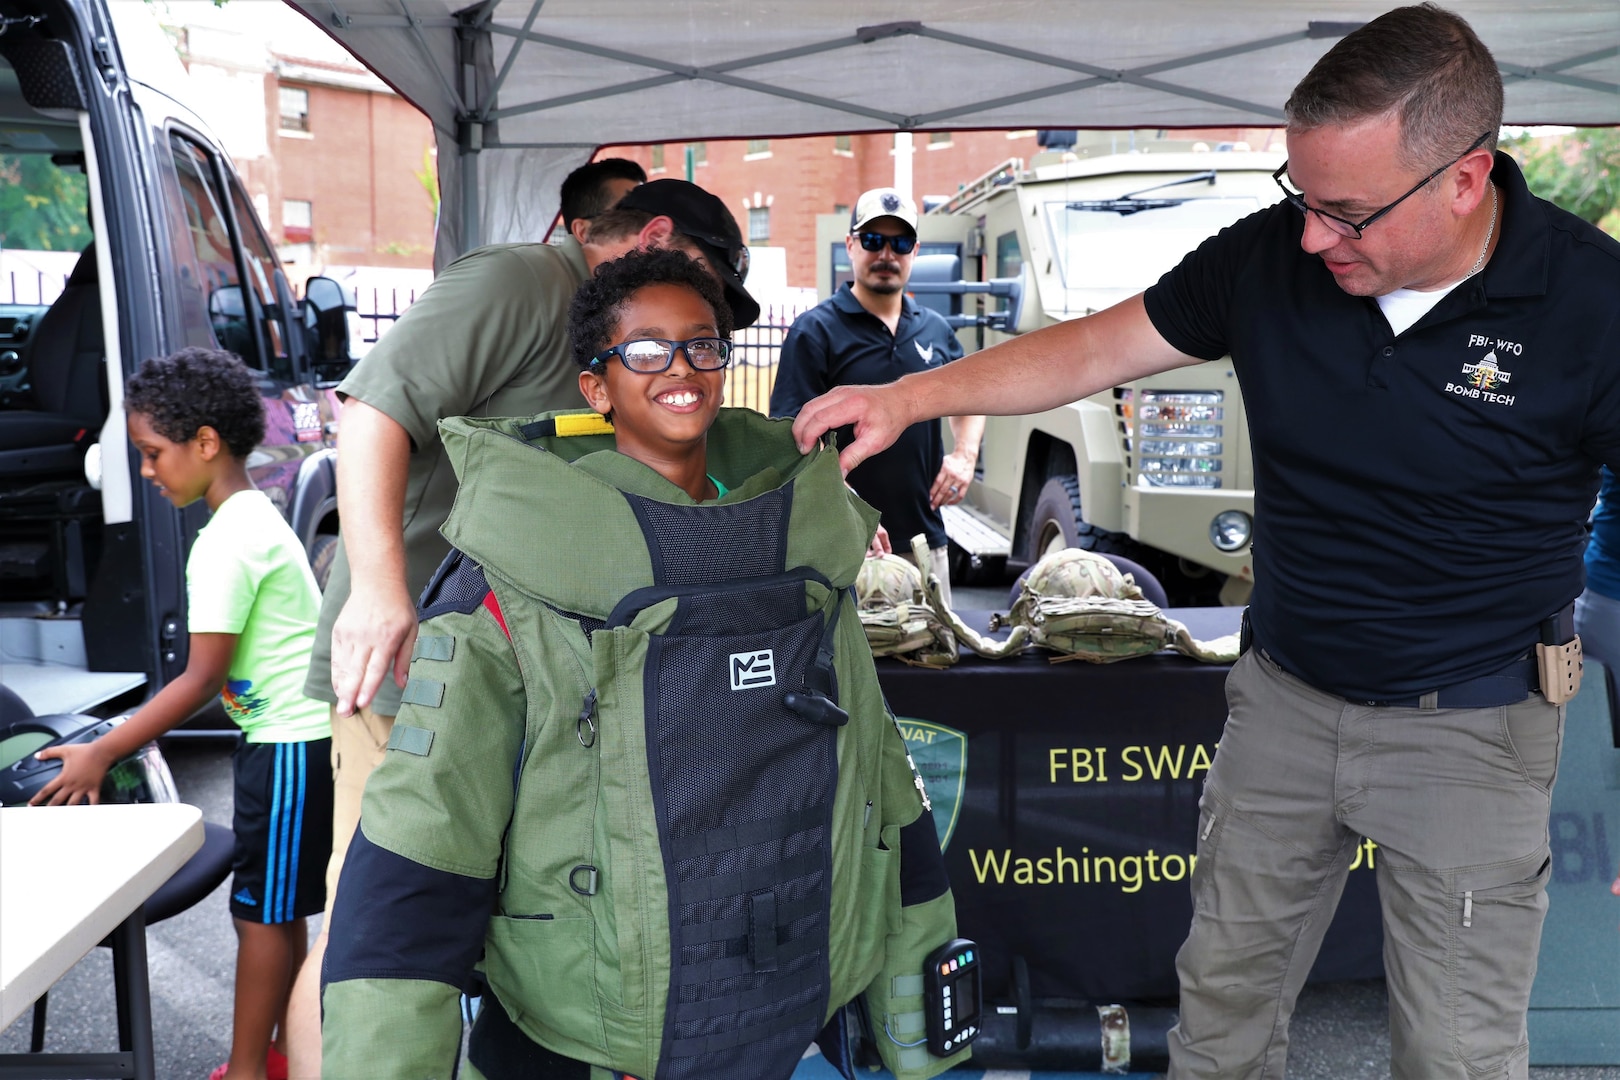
<point x="649" y="356"/>
<point x="874" y="241"/>
<point x="1354" y="229"/>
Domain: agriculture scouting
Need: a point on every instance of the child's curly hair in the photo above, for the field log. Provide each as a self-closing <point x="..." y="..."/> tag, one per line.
<point x="194" y="387"/>
<point x="593" y="317"/>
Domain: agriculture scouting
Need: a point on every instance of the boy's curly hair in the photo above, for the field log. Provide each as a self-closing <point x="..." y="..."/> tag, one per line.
<point x="186" y="390"/>
<point x="593" y="317"/>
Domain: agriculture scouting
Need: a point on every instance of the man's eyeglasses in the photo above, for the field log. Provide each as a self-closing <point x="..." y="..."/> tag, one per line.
<point x="649" y="356"/>
<point x="874" y="241"/>
<point x="1354" y="229"/>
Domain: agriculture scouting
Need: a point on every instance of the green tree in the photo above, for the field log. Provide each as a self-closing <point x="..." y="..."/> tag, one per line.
<point x="1579" y="172"/>
<point x="42" y="207"/>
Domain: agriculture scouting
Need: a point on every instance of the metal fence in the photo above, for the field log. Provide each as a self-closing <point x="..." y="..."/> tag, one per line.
<point x="748" y="381"/>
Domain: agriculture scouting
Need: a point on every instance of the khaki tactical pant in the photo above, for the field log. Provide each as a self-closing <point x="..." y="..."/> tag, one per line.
<point x="358" y="744"/>
<point x="1457" y="801"/>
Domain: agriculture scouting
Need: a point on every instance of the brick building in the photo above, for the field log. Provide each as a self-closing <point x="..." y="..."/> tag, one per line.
<point x="776" y="187"/>
<point x="340" y="168"/>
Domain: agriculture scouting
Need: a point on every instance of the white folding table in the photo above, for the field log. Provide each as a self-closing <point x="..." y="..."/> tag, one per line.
<point x="70" y="876"/>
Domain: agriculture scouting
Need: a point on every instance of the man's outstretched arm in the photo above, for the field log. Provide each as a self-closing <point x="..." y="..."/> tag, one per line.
<point x="374" y="632"/>
<point x="1031" y="373"/>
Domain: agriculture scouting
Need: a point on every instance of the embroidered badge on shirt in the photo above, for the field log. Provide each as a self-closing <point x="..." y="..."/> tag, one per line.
<point x="926" y="354"/>
<point x="1484" y="379"/>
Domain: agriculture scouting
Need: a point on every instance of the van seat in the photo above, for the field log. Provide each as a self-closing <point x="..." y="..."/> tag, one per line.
<point x="65" y="367"/>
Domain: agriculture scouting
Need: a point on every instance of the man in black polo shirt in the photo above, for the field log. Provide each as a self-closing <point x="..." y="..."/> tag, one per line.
<point x="1430" y="357"/>
<point x="870" y="331"/>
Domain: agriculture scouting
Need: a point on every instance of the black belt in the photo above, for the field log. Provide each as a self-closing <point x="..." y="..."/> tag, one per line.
<point x="1508" y="686"/>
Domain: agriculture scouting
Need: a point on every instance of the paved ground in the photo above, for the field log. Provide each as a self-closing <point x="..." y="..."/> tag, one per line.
<point x="1338" y="1030"/>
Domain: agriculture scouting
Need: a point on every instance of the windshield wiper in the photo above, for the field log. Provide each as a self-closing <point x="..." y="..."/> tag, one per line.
<point x="1131" y="204"/>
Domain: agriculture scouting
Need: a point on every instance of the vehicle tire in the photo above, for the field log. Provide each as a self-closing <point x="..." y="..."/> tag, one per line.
<point x="1057" y="523"/>
<point x="322" y="554"/>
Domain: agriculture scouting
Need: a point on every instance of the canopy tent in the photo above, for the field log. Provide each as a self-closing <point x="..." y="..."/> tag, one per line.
<point x="522" y="91"/>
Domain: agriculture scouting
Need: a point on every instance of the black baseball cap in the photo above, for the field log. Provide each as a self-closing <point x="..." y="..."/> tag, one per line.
<point x="705" y="219"/>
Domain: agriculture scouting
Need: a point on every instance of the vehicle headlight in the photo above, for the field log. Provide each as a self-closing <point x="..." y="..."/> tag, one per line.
<point x="1230" y="530"/>
<point x="1179" y="437"/>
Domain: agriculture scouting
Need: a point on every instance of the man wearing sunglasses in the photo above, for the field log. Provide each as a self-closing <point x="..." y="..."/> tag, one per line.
<point x="1430" y="360"/>
<point x="870" y="331"/>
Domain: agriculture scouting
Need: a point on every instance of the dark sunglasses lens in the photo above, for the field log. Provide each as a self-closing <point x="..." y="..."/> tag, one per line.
<point x="901" y="245"/>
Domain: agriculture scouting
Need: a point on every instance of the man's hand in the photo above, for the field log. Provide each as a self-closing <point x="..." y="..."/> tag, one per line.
<point x="878" y="413"/>
<point x="951" y="485"/>
<point x="373" y="635"/>
<point x="880" y="544"/>
<point x="83" y="770"/>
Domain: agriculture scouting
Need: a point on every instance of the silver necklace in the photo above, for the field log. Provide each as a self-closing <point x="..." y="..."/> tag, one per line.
<point x="1490" y="231"/>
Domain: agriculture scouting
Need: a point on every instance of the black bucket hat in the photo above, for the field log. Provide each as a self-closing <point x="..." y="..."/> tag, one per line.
<point x="705" y="219"/>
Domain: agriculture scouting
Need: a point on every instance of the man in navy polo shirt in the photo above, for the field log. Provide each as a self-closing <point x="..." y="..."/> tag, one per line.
<point x="870" y="331"/>
<point x="1430" y="357"/>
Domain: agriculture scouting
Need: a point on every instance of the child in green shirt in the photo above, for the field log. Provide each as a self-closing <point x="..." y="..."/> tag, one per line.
<point x="195" y="417"/>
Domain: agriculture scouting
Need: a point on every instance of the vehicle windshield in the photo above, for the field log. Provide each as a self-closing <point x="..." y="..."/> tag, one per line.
<point x="1105" y="249"/>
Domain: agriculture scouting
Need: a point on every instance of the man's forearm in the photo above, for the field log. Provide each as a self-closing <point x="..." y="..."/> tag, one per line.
<point x="374" y="455"/>
<point x="1047" y="368"/>
<point x="966" y="432"/>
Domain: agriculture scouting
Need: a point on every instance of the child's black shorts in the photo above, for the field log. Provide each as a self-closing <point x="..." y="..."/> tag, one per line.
<point x="283" y="827"/>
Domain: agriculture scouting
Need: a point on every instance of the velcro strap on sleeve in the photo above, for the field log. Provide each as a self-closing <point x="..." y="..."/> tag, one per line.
<point x="410" y="740"/>
<point x="434" y="647"/>
<point x="429" y="693"/>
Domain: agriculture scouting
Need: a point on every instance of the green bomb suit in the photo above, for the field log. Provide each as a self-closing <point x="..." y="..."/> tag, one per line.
<point x="670" y="867"/>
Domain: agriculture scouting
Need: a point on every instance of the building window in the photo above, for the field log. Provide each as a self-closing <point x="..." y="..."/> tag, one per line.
<point x="700" y="152"/>
<point x="759" y="225"/>
<point x="757" y="148"/>
<point x="938" y="138"/>
<point x="294" y="109"/>
<point x="842" y="144"/>
<point x="840" y="208"/>
<point x="658" y="158"/>
<point x="297" y="219"/>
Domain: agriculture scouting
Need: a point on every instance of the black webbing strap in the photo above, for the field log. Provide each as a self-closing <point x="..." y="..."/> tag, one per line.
<point x="727" y="929"/>
<point x="699" y="890"/>
<point x="727" y="966"/>
<point x="733" y="1004"/>
<point x="732" y="837"/>
<point x="762" y="930"/>
<point x="725" y="1040"/>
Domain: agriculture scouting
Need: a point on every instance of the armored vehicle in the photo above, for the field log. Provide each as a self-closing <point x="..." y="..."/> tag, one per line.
<point x="1157" y="470"/>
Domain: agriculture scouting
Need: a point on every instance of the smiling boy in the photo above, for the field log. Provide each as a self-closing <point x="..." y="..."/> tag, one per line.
<point x="643" y="768"/>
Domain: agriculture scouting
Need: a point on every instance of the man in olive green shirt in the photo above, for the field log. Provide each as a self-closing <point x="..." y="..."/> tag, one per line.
<point x="488" y="338"/>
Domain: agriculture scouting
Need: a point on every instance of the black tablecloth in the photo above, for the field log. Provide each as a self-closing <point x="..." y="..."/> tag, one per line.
<point x="1068" y="798"/>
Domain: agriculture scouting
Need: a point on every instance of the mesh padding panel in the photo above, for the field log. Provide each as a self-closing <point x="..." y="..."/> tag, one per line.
<point x="694" y="544"/>
<point x="722" y="759"/>
<point x="458" y="585"/>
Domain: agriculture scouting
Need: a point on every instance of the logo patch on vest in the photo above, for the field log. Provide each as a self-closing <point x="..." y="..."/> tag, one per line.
<point x="753" y="670"/>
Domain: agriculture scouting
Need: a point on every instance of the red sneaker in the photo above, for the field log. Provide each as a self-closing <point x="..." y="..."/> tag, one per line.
<point x="275" y="1066"/>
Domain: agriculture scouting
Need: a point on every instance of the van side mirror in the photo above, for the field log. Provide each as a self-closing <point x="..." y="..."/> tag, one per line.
<point x="325" y="312"/>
